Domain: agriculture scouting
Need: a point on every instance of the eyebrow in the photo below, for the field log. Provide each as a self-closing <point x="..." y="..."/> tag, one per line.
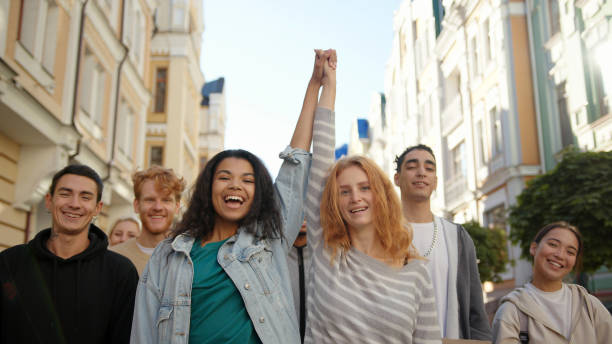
<point x="228" y="172"/>
<point x="427" y="161"/>
<point x="63" y="188"/>
<point x="559" y="241"/>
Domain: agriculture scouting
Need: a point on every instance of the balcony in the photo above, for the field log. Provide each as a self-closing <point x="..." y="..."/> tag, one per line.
<point x="454" y="189"/>
<point x="452" y="115"/>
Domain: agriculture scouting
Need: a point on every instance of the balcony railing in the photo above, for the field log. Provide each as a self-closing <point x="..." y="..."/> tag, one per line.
<point x="454" y="189"/>
<point x="452" y="114"/>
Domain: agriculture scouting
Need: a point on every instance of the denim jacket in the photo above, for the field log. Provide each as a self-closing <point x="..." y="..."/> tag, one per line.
<point x="257" y="267"/>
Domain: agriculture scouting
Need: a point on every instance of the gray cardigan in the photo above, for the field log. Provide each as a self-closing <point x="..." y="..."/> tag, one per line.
<point x="473" y="320"/>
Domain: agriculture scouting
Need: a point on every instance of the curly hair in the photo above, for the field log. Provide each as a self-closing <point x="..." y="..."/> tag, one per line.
<point x="263" y="218"/>
<point x="394" y="232"/>
<point x="164" y="178"/>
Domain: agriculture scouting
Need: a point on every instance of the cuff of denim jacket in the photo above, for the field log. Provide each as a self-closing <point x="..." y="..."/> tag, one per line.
<point x="294" y="155"/>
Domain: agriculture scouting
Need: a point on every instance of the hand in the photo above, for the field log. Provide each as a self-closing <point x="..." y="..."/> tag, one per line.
<point x="329" y="68"/>
<point x="321" y="57"/>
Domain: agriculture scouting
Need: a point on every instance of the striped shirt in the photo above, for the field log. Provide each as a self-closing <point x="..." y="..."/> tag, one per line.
<point x="359" y="299"/>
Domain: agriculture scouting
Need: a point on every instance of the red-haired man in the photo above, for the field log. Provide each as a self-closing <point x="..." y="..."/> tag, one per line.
<point x="157" y="192"/>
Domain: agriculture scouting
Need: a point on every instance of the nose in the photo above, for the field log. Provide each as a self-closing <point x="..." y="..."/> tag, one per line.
<point x="157" y="204"/>
<point x="355" y="196"/>
<point x="74" y="202"/>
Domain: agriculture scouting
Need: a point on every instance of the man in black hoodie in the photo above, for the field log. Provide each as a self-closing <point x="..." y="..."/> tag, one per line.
<point x="64" y="286"/>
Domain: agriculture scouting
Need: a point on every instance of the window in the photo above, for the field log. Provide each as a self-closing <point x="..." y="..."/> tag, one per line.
<point x="156" y="156"/>
<point x="554" y="17"/>
<point x="495" y="118"/>
<point x="38" y="30"/>
<point x="92" y="88"/>
<point x="482" y="158"/>
<point x="567" y="136"/>
<point x="160" y="90"/>
<point x="496" y="217"/>
<point x="458" y="168"/>
<point x="487" y="41"/>
<point x="475" y="68"/>
<point x="125" y="129"/>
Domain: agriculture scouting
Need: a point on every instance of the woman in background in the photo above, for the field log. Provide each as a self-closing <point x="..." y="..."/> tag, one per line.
<point x="124" y="229"/>
<point x="547" y="310"/>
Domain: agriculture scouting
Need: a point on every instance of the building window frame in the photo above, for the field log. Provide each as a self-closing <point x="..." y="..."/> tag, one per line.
<point x="161" y="87"/>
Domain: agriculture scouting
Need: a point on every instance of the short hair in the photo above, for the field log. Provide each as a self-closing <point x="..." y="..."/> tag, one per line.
<point x="563" y="225"/>
<point x="164" y="179"/>
<point x="394" y="233"/>
<point x="400" y="158"/>
<point x="124" y="219"/>
<point x="79" y="170"/>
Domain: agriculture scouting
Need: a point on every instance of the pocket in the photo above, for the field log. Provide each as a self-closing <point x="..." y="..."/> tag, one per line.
<point x="265" y="270"/>
<point x="163" y="321"/>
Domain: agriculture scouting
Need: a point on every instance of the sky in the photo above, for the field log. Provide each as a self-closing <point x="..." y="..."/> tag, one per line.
<point x="264" y="49"/>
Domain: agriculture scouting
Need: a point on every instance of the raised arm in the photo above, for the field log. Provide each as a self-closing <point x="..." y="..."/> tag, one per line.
<point x="323" y="153"/>
<point x="302" y="136"/>
<point x="291" y="179"/>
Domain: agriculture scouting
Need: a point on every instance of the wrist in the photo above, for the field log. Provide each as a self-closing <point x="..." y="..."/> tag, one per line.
<point x="314" y="82"/>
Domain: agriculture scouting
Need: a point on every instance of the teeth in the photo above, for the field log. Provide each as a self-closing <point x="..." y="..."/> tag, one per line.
<point x="72" y="215"/>
<point x="358" y="210"/>
<point x="556" y="264"/>
<point x="234" y="198"/>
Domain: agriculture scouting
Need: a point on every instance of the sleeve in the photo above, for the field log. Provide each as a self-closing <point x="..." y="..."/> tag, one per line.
<point x="322" y="158"/>
<point x="478" y="321"/>
<point x="506" y="325"/>
<point x="123" y="306"/>
<point x="427" y="329"/>
<point x="146" y="308"/>
<point x="290" y="188"/>
<point x="602" y="321"/>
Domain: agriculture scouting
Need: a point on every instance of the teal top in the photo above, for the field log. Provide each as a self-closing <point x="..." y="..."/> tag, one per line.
<point x="218" y="314"/>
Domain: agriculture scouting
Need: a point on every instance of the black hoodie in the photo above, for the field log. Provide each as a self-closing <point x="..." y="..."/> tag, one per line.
<point x="87" y="298"/>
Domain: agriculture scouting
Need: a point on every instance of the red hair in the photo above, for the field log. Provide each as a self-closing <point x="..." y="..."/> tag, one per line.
<point x="394" y="233"/>
<point x="164" y="179"/>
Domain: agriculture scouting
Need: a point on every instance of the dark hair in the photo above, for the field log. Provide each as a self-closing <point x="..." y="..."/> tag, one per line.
<point x="79" y="170"/>
<point x="263" y="219"/>
<point x="400" y="158"/>
<point x="563" y="225"/>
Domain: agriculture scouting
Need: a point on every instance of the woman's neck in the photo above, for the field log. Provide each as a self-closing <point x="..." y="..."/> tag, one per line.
<point x="223" y="229"/>
<point x="368" y="242"/>
<point x="545" y="284"/>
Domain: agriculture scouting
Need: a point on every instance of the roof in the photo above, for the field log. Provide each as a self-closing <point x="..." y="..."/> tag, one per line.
<point x="215" y="86"/>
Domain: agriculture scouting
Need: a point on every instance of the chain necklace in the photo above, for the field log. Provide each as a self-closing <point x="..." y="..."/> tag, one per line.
<point x="434" y="239"/>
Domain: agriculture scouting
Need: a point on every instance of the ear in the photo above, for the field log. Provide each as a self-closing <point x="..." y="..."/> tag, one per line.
<point x="396" y="179"/>
<point x="48" y="202"/>
<point x="98" y="208"/>
<point x="435" y="183"/>
<point x="532" y="248"/>
<point x="136" y="206"/>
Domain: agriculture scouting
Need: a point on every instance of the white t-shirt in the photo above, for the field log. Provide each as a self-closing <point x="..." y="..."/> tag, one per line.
<point x="145" y="250"/>
<point x="437" y="263"/>
<point x="557" y="304"/>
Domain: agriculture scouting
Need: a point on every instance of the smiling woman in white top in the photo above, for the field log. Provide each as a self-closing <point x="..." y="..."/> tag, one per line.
<point x="548" y="310"/>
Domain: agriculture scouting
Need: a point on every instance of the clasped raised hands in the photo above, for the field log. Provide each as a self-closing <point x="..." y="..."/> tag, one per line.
<point x="324" y="70"/>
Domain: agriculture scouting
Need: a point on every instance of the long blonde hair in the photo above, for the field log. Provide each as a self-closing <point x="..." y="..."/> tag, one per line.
<point x="394" y="233"/>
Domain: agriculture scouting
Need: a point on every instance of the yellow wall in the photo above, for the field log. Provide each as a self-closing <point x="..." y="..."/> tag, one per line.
<point x="12" y="221"/>
<point x="524" y="91"/>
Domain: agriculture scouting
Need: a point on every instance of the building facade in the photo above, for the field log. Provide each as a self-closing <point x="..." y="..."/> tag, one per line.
<point x="212" y="120"/>
<point x="111" y="84"/>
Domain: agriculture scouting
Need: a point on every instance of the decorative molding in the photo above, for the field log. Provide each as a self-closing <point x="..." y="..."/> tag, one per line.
<point x="34" y="68"/>
<point x="98" y="20"/>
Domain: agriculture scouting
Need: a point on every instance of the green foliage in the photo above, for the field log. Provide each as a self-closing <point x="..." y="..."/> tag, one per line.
<point x="491" y="250"/>
<point x="578" y="190"/>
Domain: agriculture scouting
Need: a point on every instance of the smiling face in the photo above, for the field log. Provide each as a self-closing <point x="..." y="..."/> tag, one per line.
<point x="417" y="178"/>
<point x="233" y="189"/>
<point x="123" y="231"/>
<point x="73" y="204"/>
<point x="554" y="256"/>
<point x="355" y="198"/>
<point x="156" y="208"/>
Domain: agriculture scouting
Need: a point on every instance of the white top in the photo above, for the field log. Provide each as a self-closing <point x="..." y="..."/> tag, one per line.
<point x="146" y="250"/>
<point x="437" y="264"/>
<point x="557" y="304"/>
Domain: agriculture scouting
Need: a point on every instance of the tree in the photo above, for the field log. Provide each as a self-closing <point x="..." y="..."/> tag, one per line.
<point x="578" y="190"/>
<point x="491" y="250"/>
